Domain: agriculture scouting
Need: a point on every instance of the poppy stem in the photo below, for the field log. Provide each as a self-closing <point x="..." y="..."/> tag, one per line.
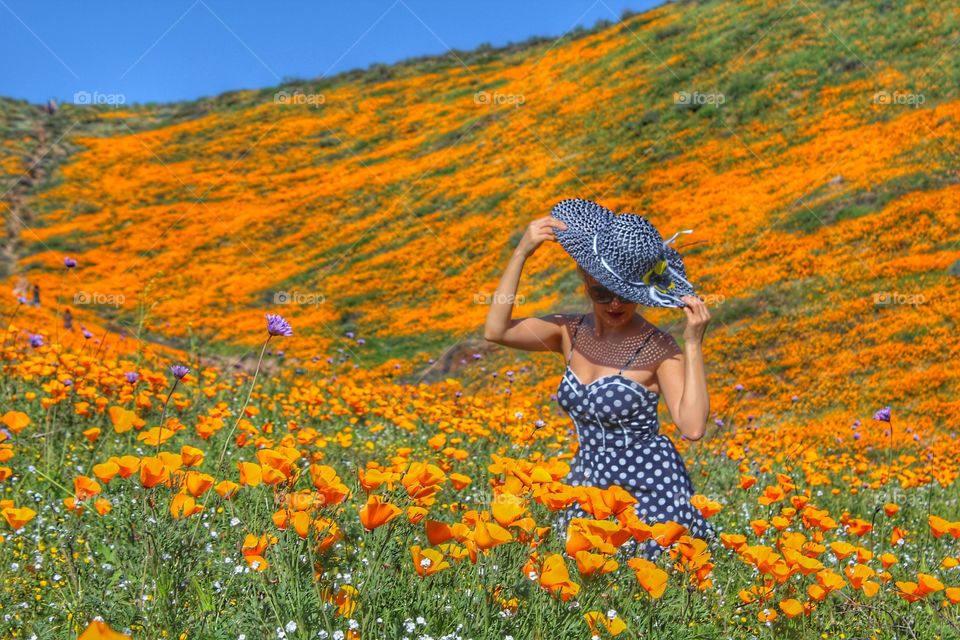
<point x="890" y="463"/>
<point x="236" y="424"/>
<point x="49" y="479"/>
<point x="226" y="441"/>
<point x="163" y="415"/>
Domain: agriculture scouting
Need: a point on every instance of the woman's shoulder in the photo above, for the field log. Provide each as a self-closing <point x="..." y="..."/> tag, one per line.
<point x="666" y="342"/>
<point x="567" y="321"/>
<point x="564" y="319"/>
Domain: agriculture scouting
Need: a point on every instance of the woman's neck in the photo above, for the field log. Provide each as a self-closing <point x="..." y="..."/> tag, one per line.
<point x="602" y="331"/>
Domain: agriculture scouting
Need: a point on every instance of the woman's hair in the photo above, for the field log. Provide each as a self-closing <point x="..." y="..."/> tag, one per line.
<point x="583" y="278"/>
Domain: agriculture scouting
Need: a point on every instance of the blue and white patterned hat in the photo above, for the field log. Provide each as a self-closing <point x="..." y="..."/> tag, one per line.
<point x="624" y="252"/>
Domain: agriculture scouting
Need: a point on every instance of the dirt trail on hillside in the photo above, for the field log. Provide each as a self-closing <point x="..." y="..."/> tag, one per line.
<point x="38" y="162"/>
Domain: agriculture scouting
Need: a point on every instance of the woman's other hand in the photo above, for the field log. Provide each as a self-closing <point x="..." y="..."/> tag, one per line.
<point x="537" y="232"/>
<point x="698" y="317"/>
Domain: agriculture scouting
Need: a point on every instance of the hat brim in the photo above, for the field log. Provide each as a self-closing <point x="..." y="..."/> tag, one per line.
<point x="584" y="219"/>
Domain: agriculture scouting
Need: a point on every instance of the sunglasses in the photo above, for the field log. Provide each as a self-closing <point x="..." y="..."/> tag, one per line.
<point x="605" y="296"/>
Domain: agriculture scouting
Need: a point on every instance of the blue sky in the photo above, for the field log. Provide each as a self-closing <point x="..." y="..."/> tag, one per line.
<point x="166" y="50"/>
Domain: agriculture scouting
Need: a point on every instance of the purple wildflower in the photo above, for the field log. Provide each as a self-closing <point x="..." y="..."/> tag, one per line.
<point x="882" y="414"/>
<point x="69" y="262"/>
<point x="179" y="371"/>
<point x="277" y="326"/>
<point x="87" y="334"/>
<point x="795" y="398"/>
<point x="36" y="340"/>
<point x="477" y="356"/>
<point x="349" y="334"/>
<point x="856" y="436"/>
<point x="21" y="300"/>
<point x="132" y="376"/>
<point x="68" y="382"/>
<point x="361" y="341"/>
<point x="739" y="387"/>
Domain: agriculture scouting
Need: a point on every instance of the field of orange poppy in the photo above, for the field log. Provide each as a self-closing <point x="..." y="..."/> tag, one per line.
<point x="271" y="413"/>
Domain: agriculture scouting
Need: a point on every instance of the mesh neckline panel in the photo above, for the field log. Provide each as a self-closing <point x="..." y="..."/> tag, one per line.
<point x="659" y="346"/>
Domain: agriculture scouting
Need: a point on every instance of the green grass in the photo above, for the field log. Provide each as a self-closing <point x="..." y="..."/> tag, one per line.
<point x="860" y="202"/>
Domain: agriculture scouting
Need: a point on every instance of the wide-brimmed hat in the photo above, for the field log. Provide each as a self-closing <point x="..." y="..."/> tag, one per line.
<point x="624" y="252"/>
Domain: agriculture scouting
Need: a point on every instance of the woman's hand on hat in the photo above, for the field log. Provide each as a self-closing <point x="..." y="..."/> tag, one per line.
<point x="537" y="232"/>
<point x="698" y="317"/>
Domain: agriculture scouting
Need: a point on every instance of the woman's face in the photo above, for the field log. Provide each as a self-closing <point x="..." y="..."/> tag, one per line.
<point x="615" y="313"/>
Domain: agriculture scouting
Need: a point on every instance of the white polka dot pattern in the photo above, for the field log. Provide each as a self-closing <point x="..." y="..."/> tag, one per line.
<point x="620" y="443"/>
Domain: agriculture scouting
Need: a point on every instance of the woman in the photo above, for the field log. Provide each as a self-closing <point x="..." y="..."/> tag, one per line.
<point x="618" y="363"/>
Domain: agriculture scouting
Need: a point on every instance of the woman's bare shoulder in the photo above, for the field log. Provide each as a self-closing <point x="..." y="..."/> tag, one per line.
<point x="565" y="321"/>
<point x="561" y="319"/>
<point x="667" y="343"/>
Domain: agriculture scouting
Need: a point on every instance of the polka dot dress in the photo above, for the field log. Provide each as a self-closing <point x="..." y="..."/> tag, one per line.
<point x="620" y="443"/>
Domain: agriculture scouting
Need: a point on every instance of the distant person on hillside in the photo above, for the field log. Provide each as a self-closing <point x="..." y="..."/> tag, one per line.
<point x="36" y="295"/>
<point x="22" y="288"/>
<point x="68" y="320"/>
<point x="623" y="261"/>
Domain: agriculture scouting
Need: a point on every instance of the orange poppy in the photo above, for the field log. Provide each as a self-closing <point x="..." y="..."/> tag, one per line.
<point x="376" y="513"/>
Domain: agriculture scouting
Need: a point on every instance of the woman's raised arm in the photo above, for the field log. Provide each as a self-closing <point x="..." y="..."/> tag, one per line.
<point x="683" y="378"/>
<point x="530" y="334"/>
